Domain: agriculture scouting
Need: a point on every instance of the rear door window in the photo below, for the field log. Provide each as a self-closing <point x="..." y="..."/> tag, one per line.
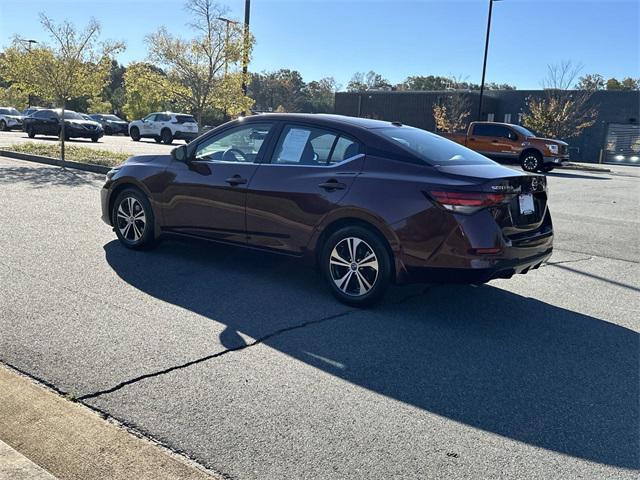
<point x="344" y="149"/>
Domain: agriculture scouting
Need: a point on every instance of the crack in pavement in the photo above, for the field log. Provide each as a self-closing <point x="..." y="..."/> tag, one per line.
<point x="568" y="261"/>
<point x="209" y="357"/>
<point x="593" y="255"/>
<point x="258" y="341"/>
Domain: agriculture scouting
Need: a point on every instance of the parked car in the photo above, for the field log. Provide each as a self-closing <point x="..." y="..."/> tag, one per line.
<point x="111" y="124"/>
<point x="367" y="201"/>
<point x="28" y="111"/>
<point x="10" y="118"/>
<point x="513" y="142"/>
<point x="164" y="127"/>
<point x="47" y="122"/>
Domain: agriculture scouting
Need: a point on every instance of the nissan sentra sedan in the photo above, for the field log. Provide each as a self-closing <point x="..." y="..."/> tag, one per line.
<point x="370" y="203"/>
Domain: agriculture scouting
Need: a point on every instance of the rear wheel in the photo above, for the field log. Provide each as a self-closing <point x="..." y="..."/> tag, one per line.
<point x="356" y="266"/>
<point x="133" y="220"/>
<point x="531" y="161"/>
<point x="30" y="132"/>
<point x="135" y="134"/>
<point x="167" y="136"/>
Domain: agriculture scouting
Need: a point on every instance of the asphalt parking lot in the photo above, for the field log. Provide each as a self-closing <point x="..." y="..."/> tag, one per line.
<point x="114" y="143"/>
<point x="245" y="363"/>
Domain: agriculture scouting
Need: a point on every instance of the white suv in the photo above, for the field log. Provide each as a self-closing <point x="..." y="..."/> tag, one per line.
<point x="164" y="127"/>
<point x="10" y="118"/>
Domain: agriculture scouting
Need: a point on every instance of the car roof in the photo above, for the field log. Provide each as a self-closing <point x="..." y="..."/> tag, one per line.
<point x="325" y="119"/>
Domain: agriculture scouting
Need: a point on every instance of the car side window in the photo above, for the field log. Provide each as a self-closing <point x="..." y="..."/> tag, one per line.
<point x="240" y="144"/>
<point x="484" y="130"/>
<point x="149" y="118"/>
<point x="344" y="149"/>
<point x="162" y="117"/>
<point x="301" y="145"/>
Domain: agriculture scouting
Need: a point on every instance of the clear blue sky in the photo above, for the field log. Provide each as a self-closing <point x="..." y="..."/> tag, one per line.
<point x="396" y="38"/>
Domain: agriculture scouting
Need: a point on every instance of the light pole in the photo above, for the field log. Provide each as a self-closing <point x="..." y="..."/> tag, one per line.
<point x="226" y="56"/>
<point x="28" y="42"/>
<point x="245" y="51"/>
<point x="484" y="65"/>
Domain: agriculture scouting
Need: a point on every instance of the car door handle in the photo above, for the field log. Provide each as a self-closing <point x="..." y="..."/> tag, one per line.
<point x="236" y="180"/>
<point x="332" y="184"/>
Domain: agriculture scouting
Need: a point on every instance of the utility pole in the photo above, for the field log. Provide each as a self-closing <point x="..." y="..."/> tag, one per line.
<point x="245" y="52"/>
<point x="484" y="65"/>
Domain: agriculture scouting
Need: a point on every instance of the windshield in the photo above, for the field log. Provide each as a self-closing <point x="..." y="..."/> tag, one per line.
<point x="72" y="116"/>
<point x="432" y="148"/>
<point x="9" y="111"/>
<point x="522" y="131"/>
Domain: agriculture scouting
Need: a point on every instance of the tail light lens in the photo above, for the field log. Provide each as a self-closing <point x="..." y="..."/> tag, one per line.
<point x="466" y="202"/>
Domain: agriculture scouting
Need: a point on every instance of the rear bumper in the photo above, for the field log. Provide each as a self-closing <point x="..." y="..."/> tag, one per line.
<point x="185" y="136"/>
<point x="493" y="269"/>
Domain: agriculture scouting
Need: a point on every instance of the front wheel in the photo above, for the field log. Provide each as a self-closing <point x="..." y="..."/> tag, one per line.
<point x="31" y="133"/>
<point x="167" y="136"/>
<point x="94" y="139"/>
<point x="3" y="126"/>
<point x="531" y="162"/>
<point x="356" y="266"/>
<point x="133" y="220"/>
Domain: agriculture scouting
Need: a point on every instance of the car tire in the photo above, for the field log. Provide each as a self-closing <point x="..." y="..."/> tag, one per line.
<point x="3" y="126"/>
<point x="30" y="132"/>
<point x="135" y="134"/>
<point x="108" y="131"/>
<point x="167" y="136"/>
<point x="547" y="168"/>
<point x="356" y="265"/>
<point x="94" y="139"/>
<point x="531" y="161"/>
<point x="157" y="139"/>
<point x="133" y="220"/>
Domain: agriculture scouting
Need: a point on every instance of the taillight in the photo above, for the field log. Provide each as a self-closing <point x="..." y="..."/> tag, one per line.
<point x="466" y="202"/>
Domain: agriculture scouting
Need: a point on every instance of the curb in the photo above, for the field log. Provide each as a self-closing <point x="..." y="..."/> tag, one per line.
<point x="586" y="168"/>
<point x="87" y="167"/>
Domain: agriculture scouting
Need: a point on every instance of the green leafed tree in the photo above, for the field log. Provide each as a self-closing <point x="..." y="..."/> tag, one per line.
<point x="195" y="67"/>
<point x="73" y="64"/>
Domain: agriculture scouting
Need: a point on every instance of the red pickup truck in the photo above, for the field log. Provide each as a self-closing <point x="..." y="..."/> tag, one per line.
<point x="513" y="142"/>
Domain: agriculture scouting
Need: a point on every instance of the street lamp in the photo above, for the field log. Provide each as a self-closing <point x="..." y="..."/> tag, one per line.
<point x="484" y="65"/>
<point x="28" y="42"/>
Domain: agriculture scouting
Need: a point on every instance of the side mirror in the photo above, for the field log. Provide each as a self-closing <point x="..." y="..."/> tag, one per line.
<point x="180" y="154"/>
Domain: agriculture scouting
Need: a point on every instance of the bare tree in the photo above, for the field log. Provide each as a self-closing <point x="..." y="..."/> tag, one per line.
<point x="561" y="112"/>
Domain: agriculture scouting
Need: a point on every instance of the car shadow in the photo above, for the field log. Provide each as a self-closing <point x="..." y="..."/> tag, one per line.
<point x="501" y="362"/>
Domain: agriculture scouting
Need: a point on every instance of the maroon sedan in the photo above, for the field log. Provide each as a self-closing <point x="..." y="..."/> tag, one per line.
<point x="368" y="202"/>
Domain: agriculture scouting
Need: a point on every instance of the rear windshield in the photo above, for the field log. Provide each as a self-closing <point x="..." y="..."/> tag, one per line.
<point x="432" y="148"/>
<point x="185" y="119"/>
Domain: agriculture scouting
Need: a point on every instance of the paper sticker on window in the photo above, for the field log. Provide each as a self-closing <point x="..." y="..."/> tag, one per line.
<point x="293" y="145"/>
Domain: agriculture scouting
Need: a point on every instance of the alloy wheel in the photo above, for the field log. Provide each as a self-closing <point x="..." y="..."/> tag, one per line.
<point x="530" y="163"/>
<point x="354" y="266"/>
<point x="131" y="219"/>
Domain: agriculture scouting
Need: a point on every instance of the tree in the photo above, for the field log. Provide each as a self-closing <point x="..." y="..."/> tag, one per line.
<point x="195" y="67"/>
<point x="560" y="112"/>
<point x="283" y="88"/>
<point x="591" y="82"/>
<point x="14" y="96"/>
<point x="361" y="82"/>
<point x="73" y="65"/>
<point x="147" y="90"/>
<point x="451" y="115"/>
<point x="320" y="95"/>
<point x="438" y="83"/>
<point x="626" y="84"/>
